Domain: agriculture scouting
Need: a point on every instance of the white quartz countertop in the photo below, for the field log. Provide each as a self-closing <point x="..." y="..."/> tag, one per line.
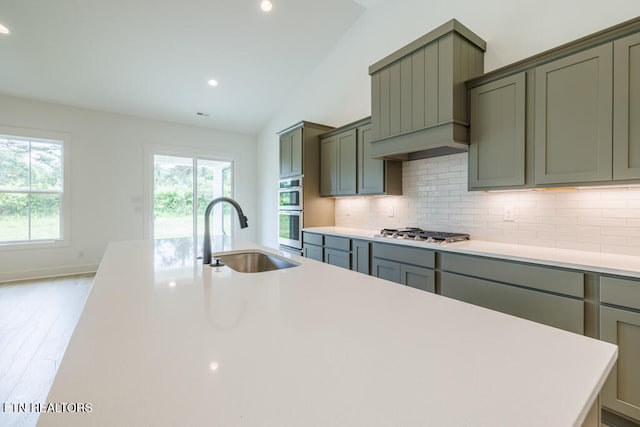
<point x="313" y="345"/>
<point x="597" y="262"/>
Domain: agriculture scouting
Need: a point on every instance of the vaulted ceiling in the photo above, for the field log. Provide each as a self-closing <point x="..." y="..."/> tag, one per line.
<point x="153" y="58"/>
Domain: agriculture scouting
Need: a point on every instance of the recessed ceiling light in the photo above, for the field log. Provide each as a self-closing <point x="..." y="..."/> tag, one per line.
<point x="213" y="82"/>
<point x="266" y="5"/>
<point x="3" y="29"/>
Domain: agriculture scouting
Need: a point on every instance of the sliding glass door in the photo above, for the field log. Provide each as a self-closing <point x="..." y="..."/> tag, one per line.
<point x="183" y="186"/>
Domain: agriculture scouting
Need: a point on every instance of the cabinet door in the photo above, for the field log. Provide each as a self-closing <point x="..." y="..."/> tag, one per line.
<point x="313" y="252"/>
<point x="285" y="155"/>
<point x="387" y="270"/>
<point x="329" y="166"/>
<point x="621" y="391"/>
<point x="418" y="277"/>
<point x="337" y="258"/>
<point x="553" y="310"/>
<point x="626" y="111"/>
<point x="296" y="152"/>
<point x="370" y="170"/>
<point x="347" y="147"/>
<point x="291" y="154"/>
<point x="360" y="258"/>
<point x="573" y="121"/>
<point x="497" y="144"/>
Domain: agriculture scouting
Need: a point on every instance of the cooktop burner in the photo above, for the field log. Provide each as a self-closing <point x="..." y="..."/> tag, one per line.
<point x="418" y="234"/>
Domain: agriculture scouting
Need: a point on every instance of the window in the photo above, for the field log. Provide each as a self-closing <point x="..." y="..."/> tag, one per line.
<point x="31" y="189"/>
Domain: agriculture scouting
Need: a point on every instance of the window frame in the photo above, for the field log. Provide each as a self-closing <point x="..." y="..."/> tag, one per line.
<point x="64" y="139"/>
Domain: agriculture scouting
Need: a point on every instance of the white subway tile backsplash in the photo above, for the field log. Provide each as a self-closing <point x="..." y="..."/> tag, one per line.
<point x="435" y="196"/>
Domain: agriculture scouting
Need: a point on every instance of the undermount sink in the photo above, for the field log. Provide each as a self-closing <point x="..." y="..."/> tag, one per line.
<point x="251" y="261"/>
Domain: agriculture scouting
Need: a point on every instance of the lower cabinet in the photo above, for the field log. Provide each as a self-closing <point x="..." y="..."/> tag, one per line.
<point x="340" y="251"/>
<point x="409" y="266"/>
<point x="553" y="310"/>
<point x="620" y="325"/>
<point x="360" y="254"/>
<point x="338" y="258"/>
<point x="312" y="246"/>
<point x="550" y="296"/>
<point x="337" y="251"/>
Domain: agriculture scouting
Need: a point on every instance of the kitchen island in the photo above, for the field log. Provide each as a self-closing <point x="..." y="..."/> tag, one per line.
<point x="311" y="345"/>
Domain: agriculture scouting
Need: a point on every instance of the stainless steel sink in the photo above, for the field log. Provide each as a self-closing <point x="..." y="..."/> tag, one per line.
<point x="252" y="261"/>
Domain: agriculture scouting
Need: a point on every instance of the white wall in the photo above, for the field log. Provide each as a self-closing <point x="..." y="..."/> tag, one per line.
<point x="338" y="91"/>
<point x="108" y="179"/>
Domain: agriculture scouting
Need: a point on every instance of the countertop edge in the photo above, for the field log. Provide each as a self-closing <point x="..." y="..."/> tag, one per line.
<point x="554" y="257"/>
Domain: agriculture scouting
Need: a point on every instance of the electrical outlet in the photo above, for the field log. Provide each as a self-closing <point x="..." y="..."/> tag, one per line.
<point x="509" y="213"/>
<point x="390" y="211"/>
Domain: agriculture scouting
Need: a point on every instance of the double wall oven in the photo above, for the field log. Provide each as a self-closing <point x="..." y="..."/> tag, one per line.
<point x="290" y="214"/>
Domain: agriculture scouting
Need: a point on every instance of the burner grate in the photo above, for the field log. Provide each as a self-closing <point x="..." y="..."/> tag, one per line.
<point x="415" y="233"/>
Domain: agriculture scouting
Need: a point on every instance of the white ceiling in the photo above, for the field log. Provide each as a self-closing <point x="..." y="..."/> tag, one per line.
<point x="153" y="58"/>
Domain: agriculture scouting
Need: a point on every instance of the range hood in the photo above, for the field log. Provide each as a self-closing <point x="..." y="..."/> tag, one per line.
<point x="418" y="94"/>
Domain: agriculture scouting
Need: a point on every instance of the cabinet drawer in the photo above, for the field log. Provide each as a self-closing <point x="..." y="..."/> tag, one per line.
<point x="623" y="292"/>
<point x="543" y="278"/>
<point x="312" y="238"/>
<point x="335" y="242"/>
<point x="404" y="254"/>
<point x="553" y="310"/>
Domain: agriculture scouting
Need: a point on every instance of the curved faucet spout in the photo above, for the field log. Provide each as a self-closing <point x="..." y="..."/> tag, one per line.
<point x="206" y="247"/>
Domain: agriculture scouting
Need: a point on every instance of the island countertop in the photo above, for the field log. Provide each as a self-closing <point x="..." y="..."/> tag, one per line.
<point x="312" y="345"/>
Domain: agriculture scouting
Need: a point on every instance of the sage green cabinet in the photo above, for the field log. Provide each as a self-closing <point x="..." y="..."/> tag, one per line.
<point x="338" y="258"/>
<point x="581" y="116"/>
<point x="347" y="168"/>
<point x="545" y="295"/>
<point x="497" y="134"/>
<point x="338" y="164"/>
<point x="573" y="118"/>
<point x="620" y="325"/>
<point x="376" y="176"/>
<point x="406" y="265"/>
<point x="553" y="310"/>
<point x="418" y="98"/>
<point x="626" y="108"/>
<point x="291" y="153"/>
<point x="360" y="254"/>
<point x="312" y="246"/>
<point x="337" y="251"/>
<point x="385" y="269"/>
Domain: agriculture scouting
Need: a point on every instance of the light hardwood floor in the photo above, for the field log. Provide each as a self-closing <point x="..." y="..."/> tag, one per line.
<point x="37" y="319"/>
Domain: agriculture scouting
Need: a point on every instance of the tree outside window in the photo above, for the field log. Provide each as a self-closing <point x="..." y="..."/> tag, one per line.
<point x="31" y="189"/>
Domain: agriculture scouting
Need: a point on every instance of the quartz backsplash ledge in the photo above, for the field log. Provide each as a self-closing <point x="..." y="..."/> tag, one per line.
<point x="435" y="196"/>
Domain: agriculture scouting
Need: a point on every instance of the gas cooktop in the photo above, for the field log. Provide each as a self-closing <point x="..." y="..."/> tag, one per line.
<point x="418" y="234"/>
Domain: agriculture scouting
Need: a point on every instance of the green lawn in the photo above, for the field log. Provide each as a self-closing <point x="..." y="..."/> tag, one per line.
<point x="14" y="228"/>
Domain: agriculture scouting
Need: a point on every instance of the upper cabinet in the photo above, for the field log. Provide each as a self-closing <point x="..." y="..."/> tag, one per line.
<point x="299" y="149"/>
<point x="338" y="164"/>
<point x="347" y="168"/>
<point x="418" y="96"/>
<point x="573" y="118"/>
<point x="497" y="142"/>
<point x="566" y="117"/>
<point x="626" y="120"/>
<point x="291" y="153"/>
